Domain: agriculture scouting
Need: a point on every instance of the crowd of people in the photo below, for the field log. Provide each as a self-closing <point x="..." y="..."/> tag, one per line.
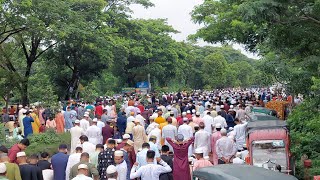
<point x="150" y="137"/>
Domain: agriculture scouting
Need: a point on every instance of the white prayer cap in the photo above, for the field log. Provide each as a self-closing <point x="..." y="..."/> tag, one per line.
<point x="33" y="107"/>
<point x="21" y="154"/>
<point x="198" y="151"/>
<point x="95" y="120"/>
<point x="169" y="108"/>
<point x="118" y="153"/>
<point x="193" y="110"/>
<point x="151" y="117"/>
<point x="119" y="141"/>
<point x="30" y="110"/>
<point x="77" y="121"/>
<point x="222" y="106"/>
<point x="20" y="106"/>
<point x="126" y="136"/>
<point x="86" y="115"/>
<point x="82" y="166"/>
<point x="184" y="114"/>
<point x="111" y="169"/>
<point x="218" y="125"/>
<point x="198" y="113"/>
<point x="131" y="143"/>
<point x="3" y="168"/>
<point x="188" y="112"/>
<point x="233" y="102"/>
<point x="231" y="106"/>
<point x="185" y="119"/>
<point x="88" y="110"/>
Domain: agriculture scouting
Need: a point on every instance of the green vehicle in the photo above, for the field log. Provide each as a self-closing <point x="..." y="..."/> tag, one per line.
<point x="238" y="172"/>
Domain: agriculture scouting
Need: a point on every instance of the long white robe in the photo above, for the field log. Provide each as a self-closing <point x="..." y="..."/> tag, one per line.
<point x="187" y="133"/>
<point x="84" y="124"/>
<point x="94" y="134"/>
<point x="208" y="122"/>
<point x="202" y="140"/>
<point x="122" y="170"/>
<point x="75" y="132"/>
<point x="139" y="137"/>
<point x="156" y="132"/>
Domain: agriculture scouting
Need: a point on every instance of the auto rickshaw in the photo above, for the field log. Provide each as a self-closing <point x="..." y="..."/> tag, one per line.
<point x="238" y="172"/>
<point x="268" y="144"/>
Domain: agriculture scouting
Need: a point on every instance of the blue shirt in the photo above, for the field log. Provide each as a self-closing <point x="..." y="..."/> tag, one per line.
<point x="59" y="164"/>
<point x="68" y="119"/>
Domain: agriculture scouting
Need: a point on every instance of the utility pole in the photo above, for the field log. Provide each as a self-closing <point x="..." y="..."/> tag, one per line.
<point x="149" y="83"/>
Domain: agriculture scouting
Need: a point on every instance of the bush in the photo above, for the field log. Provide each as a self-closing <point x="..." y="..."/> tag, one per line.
<point x="304" y="125"/>
<point x="48" y="141"/>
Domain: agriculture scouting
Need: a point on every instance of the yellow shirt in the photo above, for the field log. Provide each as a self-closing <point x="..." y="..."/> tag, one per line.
<point x="162" y="125"/>
<point x="129" y="128"/>
<point x="159" y="120"/>
<point x="36" y="124"/>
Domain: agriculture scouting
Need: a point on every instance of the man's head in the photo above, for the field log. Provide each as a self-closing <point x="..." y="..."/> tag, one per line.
<point x="68" y="108"/>
<point x="44" y="155"/>
<point x="83" y="169"/>
<point x="237" y="121"/>
<point x="77" y="122"/>
<point x="63" y="148"/>
<point x="153" y="139"/>
<point x="21" y="157"/>
<point x="33" y="159"/>
<point x="128" y="146"/>
<point x="99" y="147"/>
<point x="199" y="153"/>
<point x="218" y="127"/>
<point x="112" y="172"/>
<point x="223" y="132"/>
<point x="84" y="157"/>
<point x="169" y="119"/>
<point x="23" y="144"/>
<point x="180" y="138"/>
<point x="145" y="146"/>
<point x="197" y="114"/>
<point x="159" y="112"/>
<point x="118" y="157"/>
<point x="150" y="156"/>
<point x="94" y="121"/>
<point x="165" y="149"/>
<point x="3" y="149"/>
<point x="105" y="111"/>
<point x="201" y="125"/>
<point x="125" y="137"/>
<point x="219" y="113"/>
<point x="79" y="149"/>
<point x="83" y="139"/>
<point x="111" y="143"/>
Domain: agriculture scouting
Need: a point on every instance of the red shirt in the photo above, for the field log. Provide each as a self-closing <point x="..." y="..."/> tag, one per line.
<point x="12" y="154"/>
<point x="141" y="108"/>
<point x="99" y="110"/>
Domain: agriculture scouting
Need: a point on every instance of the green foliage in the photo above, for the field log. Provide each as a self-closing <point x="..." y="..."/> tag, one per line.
<point x="48" y="141"/>
<point x="305" y="134"/>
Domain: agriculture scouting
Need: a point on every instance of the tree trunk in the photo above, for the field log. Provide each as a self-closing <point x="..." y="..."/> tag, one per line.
<point x="73" y="86"/>
<point x="24" y="85"/>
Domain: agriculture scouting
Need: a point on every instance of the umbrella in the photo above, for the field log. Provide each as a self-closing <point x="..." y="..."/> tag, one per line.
<point x="239" y="172"/>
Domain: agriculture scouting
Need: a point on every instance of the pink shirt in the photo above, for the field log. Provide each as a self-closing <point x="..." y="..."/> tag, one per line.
<point x="197" y="120"/>
<point x="201" y="163"/>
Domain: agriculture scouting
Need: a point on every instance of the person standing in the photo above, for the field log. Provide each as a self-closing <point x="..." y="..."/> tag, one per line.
<point x="106" y="158"/>
<point x="15" y="149"/>
<point x="157" y="133"/>
<point x="200" y="162"/>
<point x="43" y="163"/>
<point x="21" y="115"/>
<point x="169" y="160"/>
<point x="181" y="169"/>
<point x="150" y="171"/>
<point x="33" y="161"/>
<point x="27" y="124"/>
<point x="82" y="173"/>
<point x="141" y="156"/>
<point x="94" y="133"/>
<point x="186" y="131"/>
<point x="72" y="160"/>
<point x="112" y="173"/>
<point x="84" y="123"/>
<point x="240" y="133"/>
<point x="86" y="145"/>
<point x="128" y="147"/>
<point x="214" y="138"/>
<point x="94" y="156"/>
<point x="13" y="171"/>
<point x="84" y="159"/>
<point x="139" y="135"/>
<point x="202" y="140"/>
<point x="169" y="131"/>
<point x="225" y="148"/>
<point x="59" y="162"/>
<point x="208" y="122"/>
<point x="122" y="123"/>
<point x="132" y="154"/>
<point x="75" y="132"/>
<point x="107" y="132"/>
<point x="68" y="119"/>
<point x="197" y="119"/>
<point x="121" y="165"/>
<point x="3" y="170"/>
<point x="27" y="171"/>
<point x="153" y="146"/>
<point x="220" y="119"/>
<point x="60" y="122"/>
<point x="36" y="122"/>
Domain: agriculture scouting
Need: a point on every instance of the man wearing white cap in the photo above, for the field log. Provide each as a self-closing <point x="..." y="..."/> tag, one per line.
<point x="75" y="132"/>
<point x="121" y="165"/>
<point x="151" y="125"/>
<point x="128" y="148"/>
<point x="112" y="173"/>
<point x="82" y="173"/>
<point x="84" y="123"/>
<point x="94" y="133"/>
<point x="208" y="122"/>
<point x="139" y="135"/>
<point x="140" y="118"/>
<point x="238" y="159"/>
<point x="3" y="170"/>
<point x="27" y="171"/>
<point x="221" y="120"/>
<point x="200" y="162"/>
<point x="202" y="140"/>
<point x="21" y="115"/>
<point x="214" y="138"/>
<point x="187" y="133"/>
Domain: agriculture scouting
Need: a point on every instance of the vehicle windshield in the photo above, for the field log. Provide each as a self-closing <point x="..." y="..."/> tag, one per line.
<point x="273" y="150"/>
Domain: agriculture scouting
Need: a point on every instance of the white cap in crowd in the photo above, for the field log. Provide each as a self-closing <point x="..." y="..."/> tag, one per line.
<point x="82" y="166"/>
<point x="126" y="136"/>
<point x="3" y="168"/>
<point x="21" y="154"/>
<point x="118" y="153"/>
<point x="111" y="169"/>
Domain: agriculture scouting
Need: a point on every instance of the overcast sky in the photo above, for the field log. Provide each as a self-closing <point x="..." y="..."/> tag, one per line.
<point x="177" y="12"/>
